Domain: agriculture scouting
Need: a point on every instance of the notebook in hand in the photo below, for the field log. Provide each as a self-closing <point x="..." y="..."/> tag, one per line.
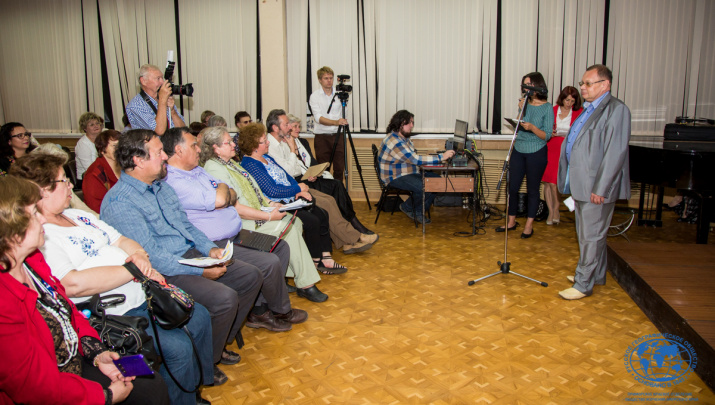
<point x="256" y="240"/>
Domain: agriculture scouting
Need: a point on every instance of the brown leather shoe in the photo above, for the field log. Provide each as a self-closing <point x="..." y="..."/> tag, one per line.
<point x="268" y="321"/>
<point x="295" y="315"/>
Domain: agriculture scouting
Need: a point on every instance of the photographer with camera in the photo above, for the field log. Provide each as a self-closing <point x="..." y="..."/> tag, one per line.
<point x="326" y="109"/>
<point x="155" y="95"/>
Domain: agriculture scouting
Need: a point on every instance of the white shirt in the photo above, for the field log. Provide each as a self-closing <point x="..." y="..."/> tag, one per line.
<point x="280" y="152"/>
<point x="563" y="125"/>
<point x="85" y="153"/>
<point x="319" y="104"/>
<point x="87" y="245"/>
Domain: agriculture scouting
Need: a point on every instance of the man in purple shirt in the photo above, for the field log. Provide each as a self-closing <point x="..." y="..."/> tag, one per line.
<point x="209" y="206"/>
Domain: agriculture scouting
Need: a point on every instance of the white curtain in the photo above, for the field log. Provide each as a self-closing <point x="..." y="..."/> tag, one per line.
<point x="134" y="32"/>
<point x="432" y="58"/>
<point x="42" y="69"/>
<point x="650" y="42"/>
<point x="219" y="48"/>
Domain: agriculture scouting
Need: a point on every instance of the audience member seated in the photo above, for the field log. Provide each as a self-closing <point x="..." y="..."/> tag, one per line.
<point x="316" y="225"/>
<point x="196" y="127"/>
<point x="399" y="163"/>
<point x="85" y="152"/>
<point x="55" y="150"/>
<point x="279" y="186"/>
<point x="211" y="205"/>
<point x="104" y="172"/>
<point x="205" y="116"/>
<point x="87" y="256"/>
<point x="242" y="118"/>
<point x="323" y="183"/>
<point x="49" y="351"/>
<point x="566" y="110"/>
<point x="125" y="122"/>
<point x="216" y="153"/>
<point x="145" y="209"/>
<point x="14" y="143"/>
<point x="217" y="121"/>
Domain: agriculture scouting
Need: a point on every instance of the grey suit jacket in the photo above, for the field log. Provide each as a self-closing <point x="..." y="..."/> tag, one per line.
<point x="599" y="157"/>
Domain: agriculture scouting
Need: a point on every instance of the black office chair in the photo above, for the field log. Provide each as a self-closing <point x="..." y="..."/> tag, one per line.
<point x="71" y="173"/>
<point x="388" y="190"/>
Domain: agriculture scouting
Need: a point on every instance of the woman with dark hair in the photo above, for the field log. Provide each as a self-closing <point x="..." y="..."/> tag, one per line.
<point x="104" y="172"/>
<point x="88" y="256"/>
<point x="50" y="352"/>
<point x="530" y="153"/>
<point x="566" y="110"/>
<point x="15" y="142"/>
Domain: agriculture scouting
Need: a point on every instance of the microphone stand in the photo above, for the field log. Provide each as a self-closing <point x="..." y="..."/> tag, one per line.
<point x="505" y="267"/>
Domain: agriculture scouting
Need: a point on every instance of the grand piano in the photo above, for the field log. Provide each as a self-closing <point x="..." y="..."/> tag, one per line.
<point x="684" y="160"/>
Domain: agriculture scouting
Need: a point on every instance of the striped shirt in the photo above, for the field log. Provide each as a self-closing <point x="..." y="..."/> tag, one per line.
<point x="398" y="157"/>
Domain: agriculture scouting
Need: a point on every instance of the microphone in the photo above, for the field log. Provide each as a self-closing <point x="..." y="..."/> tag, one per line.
<point x="539" y="90"/>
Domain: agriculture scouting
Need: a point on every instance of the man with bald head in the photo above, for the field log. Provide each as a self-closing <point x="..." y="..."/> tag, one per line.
<point x="155" y="96"/>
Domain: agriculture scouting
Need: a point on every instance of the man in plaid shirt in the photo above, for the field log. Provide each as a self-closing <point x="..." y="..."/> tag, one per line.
<point x="398" y="161"/>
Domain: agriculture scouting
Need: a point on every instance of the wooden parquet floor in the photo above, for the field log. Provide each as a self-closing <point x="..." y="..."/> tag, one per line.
<point x="403" y="327"/>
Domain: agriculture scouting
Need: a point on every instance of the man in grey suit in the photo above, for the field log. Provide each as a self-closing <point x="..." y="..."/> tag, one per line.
<point x="594" y="170"/>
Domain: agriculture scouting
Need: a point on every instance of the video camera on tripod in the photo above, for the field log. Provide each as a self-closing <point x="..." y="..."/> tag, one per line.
<point x="342" y="88"/>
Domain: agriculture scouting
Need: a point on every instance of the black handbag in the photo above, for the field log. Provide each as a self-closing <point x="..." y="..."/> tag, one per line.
<point x="170" y="306"/>
<point x="125" y="335"/>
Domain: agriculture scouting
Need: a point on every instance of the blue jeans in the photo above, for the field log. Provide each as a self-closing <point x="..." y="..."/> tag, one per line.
<point x="413" y="182"/>
<point x="179" y="354"/>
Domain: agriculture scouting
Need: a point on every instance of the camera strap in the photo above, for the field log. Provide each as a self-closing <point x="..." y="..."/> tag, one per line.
<point x="148" y="101"/>
<point x="331" y="102"/>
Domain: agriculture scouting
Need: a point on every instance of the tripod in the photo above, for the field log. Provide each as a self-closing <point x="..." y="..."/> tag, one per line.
<point x="505" y="267"/>
<point x="344" y="134"/>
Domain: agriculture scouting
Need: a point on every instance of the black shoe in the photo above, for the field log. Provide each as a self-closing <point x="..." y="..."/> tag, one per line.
<point x="291" y="289"/>
<point x="312" y="294"/>
<point x="201" y="401"/>
<point x="229" y="358"/>
<point x="268" y="321"/>
<point x="511" y="228"/>
<point x="527" y="236"/>
<point x="220" y="378"/>
<point x="355" y="222"/>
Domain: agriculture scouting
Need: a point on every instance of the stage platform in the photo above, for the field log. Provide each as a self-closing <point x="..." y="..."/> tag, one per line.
<point x="674" y="285"/>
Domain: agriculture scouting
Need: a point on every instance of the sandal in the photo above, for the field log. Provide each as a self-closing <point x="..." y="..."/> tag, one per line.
<point x="336" y="269"/>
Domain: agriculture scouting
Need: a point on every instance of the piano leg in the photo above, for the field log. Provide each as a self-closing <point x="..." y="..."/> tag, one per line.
<point x="703" y="230"/>
<point x="657" y="222"/>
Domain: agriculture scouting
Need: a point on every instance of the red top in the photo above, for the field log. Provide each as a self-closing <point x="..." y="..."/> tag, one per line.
<point x="29" y="373"/>
<point x="97" y="180"/>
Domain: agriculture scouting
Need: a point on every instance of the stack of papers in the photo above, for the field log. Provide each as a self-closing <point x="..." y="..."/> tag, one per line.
<point x="210" y="261"/>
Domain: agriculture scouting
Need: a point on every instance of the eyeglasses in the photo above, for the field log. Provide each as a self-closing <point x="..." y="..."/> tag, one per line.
<point x="21" y="136"/>
<point x="226" y="143"/>
<point x="589" y="84"/>
<point x="66" y="181"/>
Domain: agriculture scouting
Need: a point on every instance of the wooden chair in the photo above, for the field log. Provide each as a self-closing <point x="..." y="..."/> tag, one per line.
<point x="387" y="190"/>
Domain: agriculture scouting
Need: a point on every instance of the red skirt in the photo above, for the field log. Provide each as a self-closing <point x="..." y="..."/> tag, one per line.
<point x="554" y="154"/>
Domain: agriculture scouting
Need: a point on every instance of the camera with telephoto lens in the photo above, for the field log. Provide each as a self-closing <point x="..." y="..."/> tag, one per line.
<point x="342" y="88"/>
<point x="176" y="90"/>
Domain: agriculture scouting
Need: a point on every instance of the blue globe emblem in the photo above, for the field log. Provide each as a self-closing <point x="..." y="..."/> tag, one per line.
<point x="660" y="360"/>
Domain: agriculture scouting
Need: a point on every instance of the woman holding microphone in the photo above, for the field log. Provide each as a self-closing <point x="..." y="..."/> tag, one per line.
<point x="530" y="153"/>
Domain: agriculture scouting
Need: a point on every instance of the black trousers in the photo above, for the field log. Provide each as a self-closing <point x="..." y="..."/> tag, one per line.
<point x="147" y="389"/>
<point x="531" y="165"/>
<point x="316" y="230"/>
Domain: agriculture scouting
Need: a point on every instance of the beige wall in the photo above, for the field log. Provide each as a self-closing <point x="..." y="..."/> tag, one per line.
<point x="274" y="92"/>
